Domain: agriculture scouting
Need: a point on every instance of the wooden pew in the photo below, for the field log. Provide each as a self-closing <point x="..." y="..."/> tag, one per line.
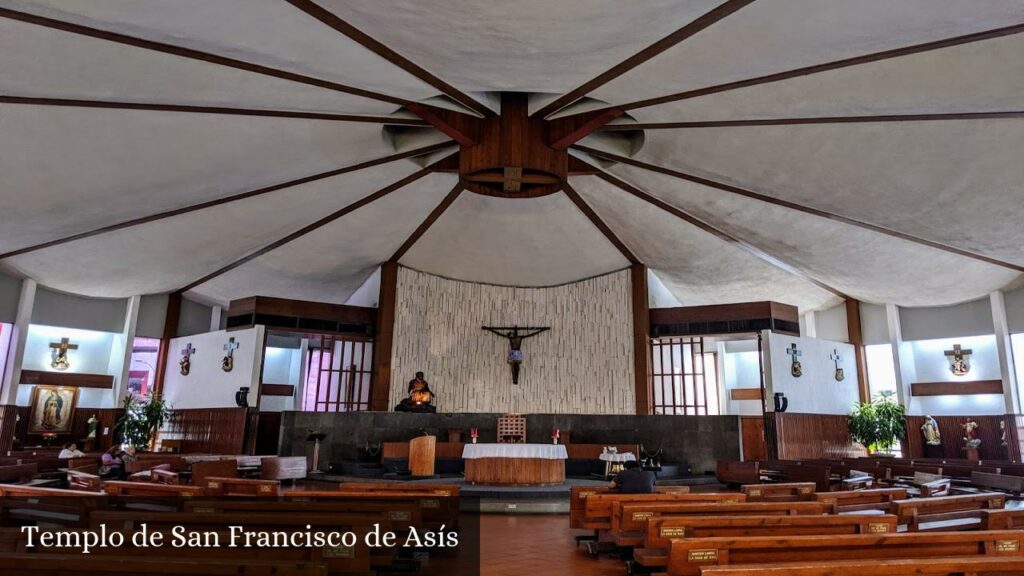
<point x="89" y="565"/>
<point x="408" y="488"/>
<point x="203" y="469"/>
<point x="687" y="555"/>
<point x="955" y="566"/>
<point x="150" y="489"/>
<point x="602" y="511"/>
<point x="18" y="473"/>
<point x="79" y="480"/>
<point x="993" y="481"/>
<point x="283" y="468"/>
<point x="861" y="500"/>
<point x="1005" y="519"/>
<point x="635" y="516"/>
<point x="818" y="474"/>
<point x="661" y="531"/>
<point x="578" y="496"/>
<point x="781" y="492"/>
<point x="733" y="472"/>
<point x="52" y="506"/>
<point x="946" y="512"/>
<point x="217" y="486"/>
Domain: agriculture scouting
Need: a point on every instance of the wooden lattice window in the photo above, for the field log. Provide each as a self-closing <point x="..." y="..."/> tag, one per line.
<point x="684" y="377"/>
<point x="339" y="375"/>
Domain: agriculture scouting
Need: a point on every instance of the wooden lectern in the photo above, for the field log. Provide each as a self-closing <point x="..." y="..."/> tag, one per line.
<point x="421" y="455"/>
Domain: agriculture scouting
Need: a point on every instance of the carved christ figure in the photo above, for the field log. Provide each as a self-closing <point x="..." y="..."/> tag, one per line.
<point x="515" y="336"/>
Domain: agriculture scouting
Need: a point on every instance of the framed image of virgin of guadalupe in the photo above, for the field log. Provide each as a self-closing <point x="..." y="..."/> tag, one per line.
<point x="53" y="409"/>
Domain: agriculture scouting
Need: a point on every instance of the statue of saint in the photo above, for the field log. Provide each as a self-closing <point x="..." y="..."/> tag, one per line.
<point x="971" y="439"/>
<point x="930" y="429"/>
<point x="94" y="424"/>
<point x="419" y="397"/>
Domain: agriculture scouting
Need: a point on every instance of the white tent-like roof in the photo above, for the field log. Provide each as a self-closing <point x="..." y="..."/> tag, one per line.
<point x="794" y="150"/>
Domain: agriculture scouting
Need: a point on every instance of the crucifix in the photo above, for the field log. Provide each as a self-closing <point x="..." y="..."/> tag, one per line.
<point x="958" y="364"/>
<point x="516" y="335"/>
<point x="60" y="354"/>
<point x="229" y="359"/>
<point x="185" y="364"/>
<point x="796" y="369"/>
<point x="837" y="359"/>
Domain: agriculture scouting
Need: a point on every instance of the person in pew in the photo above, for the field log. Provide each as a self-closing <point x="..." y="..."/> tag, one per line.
<point x="633" y="479"/>
<point x="70" y="451"/>
<point x="113" y="464"/>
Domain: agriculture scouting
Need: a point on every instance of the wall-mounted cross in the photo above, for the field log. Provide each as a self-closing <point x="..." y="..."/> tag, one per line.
<point x="957" y="352"/>
<point x="795" y="368"/>
<point x="188" y="351"/>
<point x="839" y="375"/>
<point x="231" y="346"/>
<point x="60" y="353"/>
<point x="185" y="364"/>
<point x="229" y="359"/>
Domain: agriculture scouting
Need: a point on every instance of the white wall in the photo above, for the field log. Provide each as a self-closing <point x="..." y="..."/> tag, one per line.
<point x="830" y="324"/>
<point x="874" y="327"/>
<point x="967" y="319"/>
<point x="1015" y="310"/>
<point x="816" y="391"/>
<point x="741" y="369"/>
<point x="281" y="366"/>
<point x="95" y="355"/>
<point x="59" y="309"/>
<point x="583" y="365"/>
<point x="207" y="385"/>
<point x="932" y="365"/>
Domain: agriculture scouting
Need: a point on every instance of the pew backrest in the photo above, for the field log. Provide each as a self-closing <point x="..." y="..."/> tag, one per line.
<point x="781" y="492"/>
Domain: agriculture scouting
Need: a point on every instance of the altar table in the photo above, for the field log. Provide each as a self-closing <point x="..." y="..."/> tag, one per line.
<point x="515" y="464"/>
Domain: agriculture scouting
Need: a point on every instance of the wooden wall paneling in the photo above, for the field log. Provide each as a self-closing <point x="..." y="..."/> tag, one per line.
<point x="951" y="430"/>
<point x="813" y="436"/>
<point x="79" y="427"/>
<point x="208" y="430"/>
<point x="745" y="394"/>
<point x="384" y="338"/>
<point x="286" y="390"/>
<point x="641" y="338"/>
<point x="8" y="427"/>
<point x="171" y="319"/>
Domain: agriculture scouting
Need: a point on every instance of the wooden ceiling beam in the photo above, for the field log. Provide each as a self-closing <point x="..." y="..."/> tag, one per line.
<point x="462" y="128"/>
<point x="564" y="132"/>
<point x="798" y="207"/>
<point x="227" y="199"/>
<point x="311" y="227"/>
<point x="114" y="105"/>
<point x="600" y="224"/>
<point x="825" y="67"/>
<point x="434" y="215"/>
<point x="195" y="55"/>
<point x="816" y="120"/>
<point x="720" y="12"/>
<point x="337" y="23"/>
<point x="717" y="232"/>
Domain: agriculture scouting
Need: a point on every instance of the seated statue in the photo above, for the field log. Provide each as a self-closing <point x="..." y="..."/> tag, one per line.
<point x="420" y="397"/>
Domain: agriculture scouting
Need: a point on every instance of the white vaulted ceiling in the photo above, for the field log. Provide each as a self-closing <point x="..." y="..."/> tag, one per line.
<point x="152" y="145"/>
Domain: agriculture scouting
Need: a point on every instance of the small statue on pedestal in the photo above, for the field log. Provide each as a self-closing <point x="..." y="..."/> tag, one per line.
<point x="94" y="424"/>
<point x="971" y="439"/>
<point x="930" y="430"/>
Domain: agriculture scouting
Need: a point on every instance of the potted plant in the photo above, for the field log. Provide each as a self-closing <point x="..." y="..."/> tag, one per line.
<point x="141" y="419"/>
<point x="879" y="424"/>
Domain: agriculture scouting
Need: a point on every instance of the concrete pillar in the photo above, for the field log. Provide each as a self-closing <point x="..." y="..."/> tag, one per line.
<point x="300" y="390"/>
<point x="810" y="327"/>
<point x="215" y="318"/>
<point x="16" y="353"/>
<point x="1004" y="349"/>
<point x="902" y="360"/>
<point x="123" y="361"/>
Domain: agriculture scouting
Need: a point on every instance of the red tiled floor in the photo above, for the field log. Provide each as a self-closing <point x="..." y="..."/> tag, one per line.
<point x="536" y="544"/>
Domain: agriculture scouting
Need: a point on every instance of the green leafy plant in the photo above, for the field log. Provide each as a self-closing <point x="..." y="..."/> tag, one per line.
<point x="879" y="424"/>
<point x="141" y="419"/>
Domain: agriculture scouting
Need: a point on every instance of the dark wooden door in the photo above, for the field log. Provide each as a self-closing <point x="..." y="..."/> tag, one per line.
<point x="268" y="433"/>
<point x="752" y="431"/>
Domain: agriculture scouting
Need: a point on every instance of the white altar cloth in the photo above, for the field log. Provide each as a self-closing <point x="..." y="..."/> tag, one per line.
<point x="545" y="451"/>
<point x="623" y="457"/>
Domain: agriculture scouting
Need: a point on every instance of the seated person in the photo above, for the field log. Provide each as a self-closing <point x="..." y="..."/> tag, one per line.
<point x="113" y="463"/>
<point x="419" y="398"/>
<point x="70" y="451"/>
<point x="633" y="479"/>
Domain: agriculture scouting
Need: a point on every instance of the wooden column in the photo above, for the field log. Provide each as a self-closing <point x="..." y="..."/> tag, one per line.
<point x="384" y="337"/>
<point x="641" y="338"/>
<point x="170" y="331"/>
<point x="856" y="337"/>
